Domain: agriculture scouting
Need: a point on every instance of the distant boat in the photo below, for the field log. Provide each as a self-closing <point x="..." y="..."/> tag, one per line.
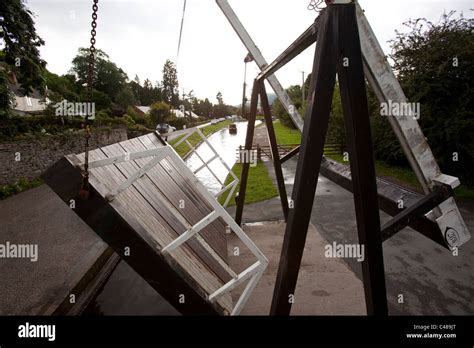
<point x="232" y="128"/>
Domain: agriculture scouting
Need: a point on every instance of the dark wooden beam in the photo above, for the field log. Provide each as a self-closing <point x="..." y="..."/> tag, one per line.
<point x="420" y="208"/>
<point x="290" y="154"/>
<point x="359" y="140"/>
<point x="312" y="147"/>
<point x="248" y="147"/>
<point x="299" y="45"/>
<point x="389" y="197"/>
<point x="274" y="148"/>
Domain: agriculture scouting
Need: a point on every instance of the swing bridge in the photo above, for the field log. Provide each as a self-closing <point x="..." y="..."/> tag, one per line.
<point x="138" y="195"/>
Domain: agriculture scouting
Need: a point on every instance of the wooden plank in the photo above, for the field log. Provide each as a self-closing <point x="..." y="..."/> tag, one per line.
<point x="155" y="196"/>
<point x="147" y="217"/>
<point x="167" y="177"/>
<point x="120" y="229"/>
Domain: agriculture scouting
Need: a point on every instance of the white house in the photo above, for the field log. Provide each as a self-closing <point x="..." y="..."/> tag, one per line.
<point x="180" y="114"/>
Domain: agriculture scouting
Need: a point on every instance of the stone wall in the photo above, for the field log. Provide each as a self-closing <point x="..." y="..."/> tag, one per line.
<point x="31" y="157"/>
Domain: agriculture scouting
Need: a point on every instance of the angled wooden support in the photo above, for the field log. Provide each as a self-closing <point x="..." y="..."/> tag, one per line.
<point x="248" y="147"/>
<point x="290" y="154"/>
<point x="420" y="208"/>
<point x="312" y="146"/>
<point x="337" y="49"/>
<point x="274" y="148"/>
<point x="259" y="91"/>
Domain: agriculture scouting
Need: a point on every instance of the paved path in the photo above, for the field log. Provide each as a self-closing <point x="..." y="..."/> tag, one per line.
<point x="326" y="286"/>
<point x="431" y="280"/>
<point x="67" y="250"/>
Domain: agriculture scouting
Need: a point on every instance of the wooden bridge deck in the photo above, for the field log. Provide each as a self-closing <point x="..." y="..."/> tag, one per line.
<point x="146" y="211"/>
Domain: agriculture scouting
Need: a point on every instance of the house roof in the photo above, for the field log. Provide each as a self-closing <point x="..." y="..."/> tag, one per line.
<point x="34" y="103"/>
<point x="180" y="114"/>
<point x="144" y="109"/>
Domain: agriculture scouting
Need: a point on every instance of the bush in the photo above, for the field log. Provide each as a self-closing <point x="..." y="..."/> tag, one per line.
<point x="12" y="127"/>
<point x="159" y="113"/>
<point x="177" y="122"/>
<point x="103" y="119"/>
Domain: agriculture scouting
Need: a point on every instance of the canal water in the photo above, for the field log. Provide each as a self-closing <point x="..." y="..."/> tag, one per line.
<point x="125" y="292"/>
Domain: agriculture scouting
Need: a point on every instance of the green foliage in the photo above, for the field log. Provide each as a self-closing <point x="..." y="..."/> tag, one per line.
<point x="103" y="119"/>
<point x="125" y="97"/>
<point x="336" y="131"/>
<point x="6" y="97"/>
<point x="176" y="122"/>
<point x="22" y="44"/>
<point x="14" y="127"/>
<point x="295" y="93"/>
<point x="159" y="113"/>
<point x="203" y="107"/>
<point x="61" y="87"/>
<point x="108" y="78"/>
<point x="435" y="65"/>
<point x="170" y="84"/>
<point x="21" y="185"/>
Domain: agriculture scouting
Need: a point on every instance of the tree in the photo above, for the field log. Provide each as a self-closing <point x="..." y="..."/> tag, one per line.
<point x="108" y="78"/>
<point x="125" y="97"/>
<point x="294" y="92"/>
<point x="159" y="113"/>
<point x="6" y="97"/>
<point x="219" y="98"/>
<point x="170" y="84"/>
<point x="22" y="44"/>
<point x="435" y="65"/>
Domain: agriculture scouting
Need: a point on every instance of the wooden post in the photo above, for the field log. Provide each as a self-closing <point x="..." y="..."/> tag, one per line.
<point x="312" y="147"/>
<point x="274" y="149"/>
<point x="361" y="154"/>
<point x="248" y="147"/>
<point x="338" y="49"/>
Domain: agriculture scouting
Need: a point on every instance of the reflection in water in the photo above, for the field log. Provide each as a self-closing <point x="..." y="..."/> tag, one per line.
<point x="226" y="146"/>
<point x="125" y="292"/>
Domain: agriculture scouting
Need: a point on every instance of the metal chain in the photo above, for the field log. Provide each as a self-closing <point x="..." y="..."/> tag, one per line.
<point x="84" y="192"/>
<point x="315" y="5"/>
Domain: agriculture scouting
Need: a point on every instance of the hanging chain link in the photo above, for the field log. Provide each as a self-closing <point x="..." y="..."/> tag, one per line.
<point x="84" y="192"/>
<point x="315" y="5"/>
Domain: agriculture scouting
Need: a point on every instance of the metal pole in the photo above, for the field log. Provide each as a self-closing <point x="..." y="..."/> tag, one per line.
<point x="244" y="99"/>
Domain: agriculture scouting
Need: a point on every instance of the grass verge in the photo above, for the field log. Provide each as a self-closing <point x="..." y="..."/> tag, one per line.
<point x="259" y="185"/>
<point x="286" y="135"/>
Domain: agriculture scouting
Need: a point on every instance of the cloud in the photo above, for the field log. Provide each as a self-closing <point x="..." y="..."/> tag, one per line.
<point x="139" y="35"/>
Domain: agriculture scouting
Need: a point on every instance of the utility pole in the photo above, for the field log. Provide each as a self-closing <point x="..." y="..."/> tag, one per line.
<point x="302" y="90"/>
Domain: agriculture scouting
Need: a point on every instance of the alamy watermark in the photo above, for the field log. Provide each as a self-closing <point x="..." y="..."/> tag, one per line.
<point x="247" y="156"/>
<point x="28" y="330"/>
<point x="346" y="251"/>
<point x="66" y="108"/>
<point x="400" y="109"/>
<point x="19" y="251"/>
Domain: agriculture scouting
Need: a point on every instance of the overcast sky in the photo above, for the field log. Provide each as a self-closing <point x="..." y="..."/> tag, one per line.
<point x="139" y="35"/>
